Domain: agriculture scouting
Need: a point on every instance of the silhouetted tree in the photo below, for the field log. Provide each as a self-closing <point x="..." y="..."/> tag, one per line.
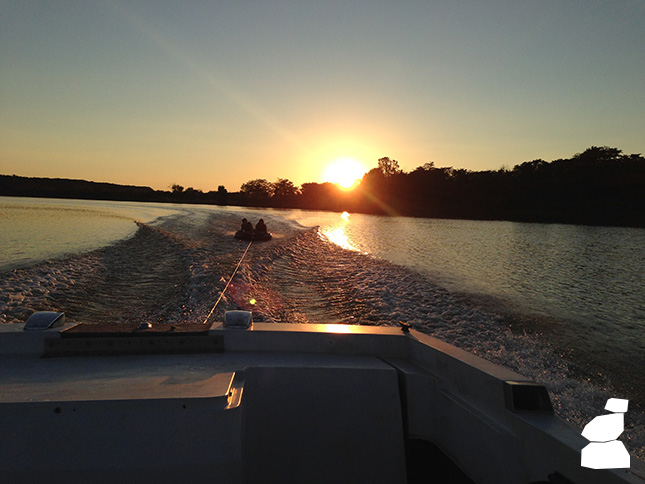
<point x="222" y="195"/>
<point x="388" y="167"/>
<point x="257" y="191"/>
<point x="192" y="195"/>
<point x="324" y="196"/>
<point x="284" y="193"/>
<point x="599" y="154"/>
<point x="284" y="188"/>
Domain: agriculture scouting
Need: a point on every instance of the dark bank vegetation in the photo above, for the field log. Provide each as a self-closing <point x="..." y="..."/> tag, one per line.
<point x="600" y="186"/>
<point x="18" y="186"/>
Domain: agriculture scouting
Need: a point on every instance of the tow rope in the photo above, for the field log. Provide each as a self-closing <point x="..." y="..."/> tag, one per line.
<point x="228" y="283"/>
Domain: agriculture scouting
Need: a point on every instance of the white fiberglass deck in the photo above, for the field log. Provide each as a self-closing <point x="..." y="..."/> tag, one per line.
<point x="275" y="403"/>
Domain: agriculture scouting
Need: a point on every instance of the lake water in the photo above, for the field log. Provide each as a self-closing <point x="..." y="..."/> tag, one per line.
<point x="561" y="304"/>
<point x="578" y="272"/>
<point x="34" y="229"/>
<point x="581" y="288"/>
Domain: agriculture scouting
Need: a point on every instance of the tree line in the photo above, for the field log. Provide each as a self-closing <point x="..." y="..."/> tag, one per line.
<point x="19" y="186"/>
<point x="600" y="186"/>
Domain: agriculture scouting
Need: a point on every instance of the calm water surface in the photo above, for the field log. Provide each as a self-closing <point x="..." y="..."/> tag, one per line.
<point x="33" y="229"/>
<point x="575" y="271"/>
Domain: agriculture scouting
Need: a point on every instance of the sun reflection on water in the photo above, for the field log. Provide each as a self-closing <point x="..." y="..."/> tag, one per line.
<point x="336" y="234"/>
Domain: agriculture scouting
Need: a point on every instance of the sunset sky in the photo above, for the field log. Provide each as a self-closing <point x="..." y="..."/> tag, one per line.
<point x="209" y="93"/>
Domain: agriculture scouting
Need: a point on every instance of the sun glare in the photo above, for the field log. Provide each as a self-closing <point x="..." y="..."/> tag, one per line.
<point x="345" y="172"/>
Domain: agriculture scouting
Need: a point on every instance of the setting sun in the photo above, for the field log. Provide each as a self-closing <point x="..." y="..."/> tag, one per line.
<point x="345" y="172"/>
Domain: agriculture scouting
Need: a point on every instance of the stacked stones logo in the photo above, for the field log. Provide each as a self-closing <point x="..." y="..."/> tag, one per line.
<point x="604" y="451"/>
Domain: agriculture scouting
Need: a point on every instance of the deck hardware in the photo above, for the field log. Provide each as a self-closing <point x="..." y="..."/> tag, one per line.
<point x="526" y="396"/>
<point x="43" y="320"/>
<point x="238" y="319"/>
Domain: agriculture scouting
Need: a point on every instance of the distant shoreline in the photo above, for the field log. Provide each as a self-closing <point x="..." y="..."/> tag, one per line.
<point x="580" y="191"/>
<point x="527" y="220"/>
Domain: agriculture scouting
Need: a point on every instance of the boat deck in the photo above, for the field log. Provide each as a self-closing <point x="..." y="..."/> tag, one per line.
<point x="272" y="403"/>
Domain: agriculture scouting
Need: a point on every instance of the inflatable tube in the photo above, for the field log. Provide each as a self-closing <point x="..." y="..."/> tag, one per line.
<point x="261" y="237"/>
